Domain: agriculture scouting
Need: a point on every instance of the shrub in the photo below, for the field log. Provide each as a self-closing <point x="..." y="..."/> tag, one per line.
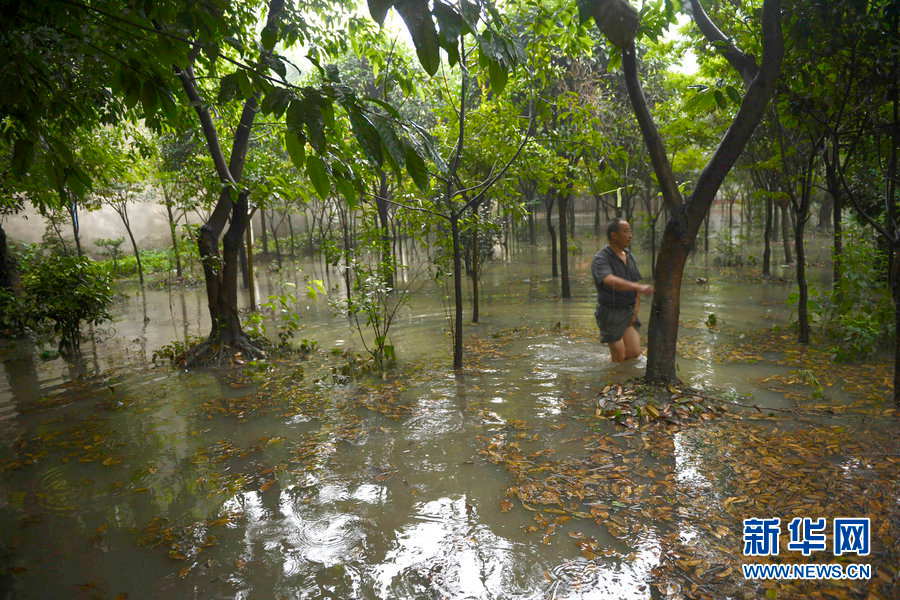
<point x="63" y="292"/>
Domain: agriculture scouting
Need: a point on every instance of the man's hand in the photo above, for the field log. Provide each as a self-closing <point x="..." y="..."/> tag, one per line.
<point x="644" y="289"/>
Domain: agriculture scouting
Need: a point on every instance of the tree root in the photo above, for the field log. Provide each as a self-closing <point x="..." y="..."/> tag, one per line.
<point x="215" y="353"/>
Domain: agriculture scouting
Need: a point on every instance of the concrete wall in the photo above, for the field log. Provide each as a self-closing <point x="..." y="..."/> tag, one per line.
<point x="148" y="222"/>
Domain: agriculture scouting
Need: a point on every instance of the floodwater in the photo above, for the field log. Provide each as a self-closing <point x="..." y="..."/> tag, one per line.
<point x="140" y="481"/>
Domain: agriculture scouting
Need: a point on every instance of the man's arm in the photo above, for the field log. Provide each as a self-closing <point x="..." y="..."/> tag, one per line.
<point x="623" y="285"/>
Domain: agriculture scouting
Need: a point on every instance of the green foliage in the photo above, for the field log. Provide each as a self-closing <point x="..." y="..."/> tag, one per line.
<point x="858" y="314"/>
<point x="374" y="304"/>
<point x="112" y="248"/>
<point x="281" y="310"/>
<point x="64" y="292"/>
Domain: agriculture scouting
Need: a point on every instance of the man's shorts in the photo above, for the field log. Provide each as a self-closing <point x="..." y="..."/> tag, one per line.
<point x="613" y="322"/>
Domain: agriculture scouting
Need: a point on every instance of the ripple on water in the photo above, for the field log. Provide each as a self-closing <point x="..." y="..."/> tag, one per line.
<point x="581" y="579"/>
<point x="446" y="553"/>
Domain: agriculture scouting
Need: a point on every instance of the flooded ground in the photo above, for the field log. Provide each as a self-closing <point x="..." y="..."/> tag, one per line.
<point x="293" y="480"/>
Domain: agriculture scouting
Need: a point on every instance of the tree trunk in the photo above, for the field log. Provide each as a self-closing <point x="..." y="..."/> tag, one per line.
<point x="251" y="276"/>
<point x="381" y="203"/>
<point x="767" y="240"/>
<point x="6" y="267"/>
<point x="457" y="294"/>
<point x="532" y="233"/>
<point x="785" y="235"/>
<point x="564" y="244"/>
<point x="76" y="227"/>
<point x="666" y="306"/>
<point x="174" y="235"/>
<point x="137" y="255"/>
<point x="834" y="190"/>
<point x="548" y="201"/>
<point x="291" y="232"/>
<point x="245" y="270"/>
<point x="803" y="288"/>
<point x="275" y="239"/>
<point x="571" y="204"/>
<point x="263" y="229"/>
<point x="476" y="257"/>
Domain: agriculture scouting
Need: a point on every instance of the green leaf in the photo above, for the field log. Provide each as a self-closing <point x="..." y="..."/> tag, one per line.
<point x="308" y="110"/>
<point x="418" y="21"/>
<point x="275" y="101"/>
<point x="23" y="156"/>
<point x="720" y="98"/>
<point x="269" y="36"/>
<point x="386" y="106"/>
<point x="452" y="26"/>
<point x="415" y="166"/>
<point x="348" y="191"/>
<point x="734" y="94"/>
<point x="498" y="75"/>
<point x="391" y="142"/>
<point x="378" y="9"/>
<point x="295" y="143"/>
<point x="148" y="97"/>
<point x="367" y="136"/>
<point x="318" y="174"/>
<point x="230" y="87"/>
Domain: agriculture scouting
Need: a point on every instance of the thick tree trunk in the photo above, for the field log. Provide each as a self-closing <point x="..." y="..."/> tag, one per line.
<point x="549" y="200"/>
<point x="666" y="306"/>
<point x="564" y="215"/>
<point x="174" y="235"/>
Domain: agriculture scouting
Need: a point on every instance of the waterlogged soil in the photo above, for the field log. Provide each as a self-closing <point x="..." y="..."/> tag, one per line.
<point x="541" y="470"/>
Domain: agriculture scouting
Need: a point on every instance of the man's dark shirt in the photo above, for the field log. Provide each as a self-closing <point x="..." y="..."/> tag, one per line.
<point x="605" y="263"/>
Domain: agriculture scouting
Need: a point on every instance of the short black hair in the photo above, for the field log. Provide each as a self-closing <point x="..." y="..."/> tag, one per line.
<point x="613" y="226"/>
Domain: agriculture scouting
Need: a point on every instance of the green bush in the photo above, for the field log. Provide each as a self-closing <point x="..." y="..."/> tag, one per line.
<point x="63" y="292"/>
<point x="859" y="313"/>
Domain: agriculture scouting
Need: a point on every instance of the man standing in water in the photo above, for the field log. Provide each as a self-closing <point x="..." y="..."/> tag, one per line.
<point x="616" y="275"/>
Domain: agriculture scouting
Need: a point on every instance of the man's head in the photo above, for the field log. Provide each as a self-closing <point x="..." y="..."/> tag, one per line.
<point x="618" y="232"/>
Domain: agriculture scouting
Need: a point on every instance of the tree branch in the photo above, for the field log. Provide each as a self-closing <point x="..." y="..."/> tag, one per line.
<point x="748" y="117"/>
<point x="744" y="63"/>
<point x="652" y="139"/>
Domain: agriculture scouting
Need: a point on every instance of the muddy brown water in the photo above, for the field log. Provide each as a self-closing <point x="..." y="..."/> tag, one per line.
<point x="130" y="496"/>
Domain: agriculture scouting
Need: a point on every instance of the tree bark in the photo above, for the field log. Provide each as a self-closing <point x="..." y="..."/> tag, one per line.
<point x="565" y="290"/>
<point x="457" y="293"/>
<point x="785" y="234"/>
<point x="264" y="231"/>
<point x="381" y="204"/>
<point x="767" y="239"/>
<point x="6" y="266"/>
<point x="548" y="202"/>
<point x="122" y="209"/>
<point x="174" y="235"/>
